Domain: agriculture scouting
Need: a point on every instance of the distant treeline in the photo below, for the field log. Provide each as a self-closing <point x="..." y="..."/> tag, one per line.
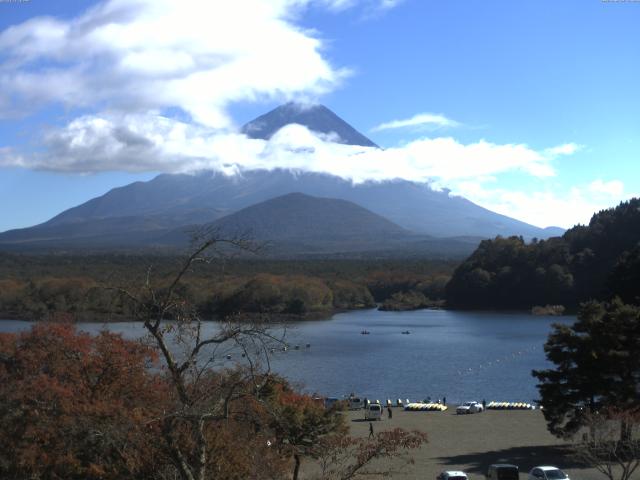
<point x="87" y="287"/>
<point x="598" y="261"/>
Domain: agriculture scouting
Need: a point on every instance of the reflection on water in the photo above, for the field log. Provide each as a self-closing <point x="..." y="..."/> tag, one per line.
<point x="457" y="355"/>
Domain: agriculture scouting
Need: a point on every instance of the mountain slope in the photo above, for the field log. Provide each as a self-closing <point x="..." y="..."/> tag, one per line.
<point x="137" y="213"/>
<point x="296" y="216"/>
<point x="169" y="201"/>
<point x="208" y="196"/>
<point x="315" y="117"/>
<point x="297" y="224"/>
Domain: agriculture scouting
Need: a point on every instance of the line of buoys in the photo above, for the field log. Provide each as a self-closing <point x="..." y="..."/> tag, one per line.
<point x="425" y="407"/>
<point x="510" y="406"/>
<point x="497" y="362"/>
<point x="367" y="332"/>
<point x="284" y="348"/>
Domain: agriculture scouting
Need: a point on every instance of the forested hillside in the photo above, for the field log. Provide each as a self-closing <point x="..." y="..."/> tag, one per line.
<point x="598" y="261"/>
<point x="40" y="287"/>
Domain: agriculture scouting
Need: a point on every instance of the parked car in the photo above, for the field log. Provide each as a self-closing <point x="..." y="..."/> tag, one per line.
<point x="469" y="407"/>
<point x="503" y="471"/>
<point x="452" y="475"/>
<point x="330" y="402"/>
<point x="373" y="412"/>
<point x="355" y="403"/>
<point x="547" y="472"/>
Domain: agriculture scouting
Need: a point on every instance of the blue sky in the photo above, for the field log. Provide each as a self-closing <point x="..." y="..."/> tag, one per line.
<point x="527" y="108"/>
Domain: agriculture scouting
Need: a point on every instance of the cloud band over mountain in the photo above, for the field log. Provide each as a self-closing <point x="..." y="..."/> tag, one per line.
<point x="121" y="70"/>
<point x="91" y="144"/>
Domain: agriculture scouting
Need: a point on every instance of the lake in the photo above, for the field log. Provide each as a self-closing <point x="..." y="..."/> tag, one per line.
<point x="458" y="355"/>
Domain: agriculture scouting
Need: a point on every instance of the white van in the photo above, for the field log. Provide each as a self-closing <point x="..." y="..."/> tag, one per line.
<point x="373" y="412"/>
<point x="355" y="403"/>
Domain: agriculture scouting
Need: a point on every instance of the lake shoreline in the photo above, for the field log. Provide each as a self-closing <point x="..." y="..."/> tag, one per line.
<point x="246" y="316"/>
<point x="281" y="317"/>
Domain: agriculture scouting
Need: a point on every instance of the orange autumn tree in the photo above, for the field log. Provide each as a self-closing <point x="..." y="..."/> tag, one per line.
<point x="77" y="406"/>
<point x="304" y="428"/>
<point x="300" y="423"/>
<point x="237" y="436"/>
<point x="342" y="457"/>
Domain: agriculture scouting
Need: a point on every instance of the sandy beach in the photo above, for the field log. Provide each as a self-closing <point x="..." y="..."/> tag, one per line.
<point x="472" y="442"/>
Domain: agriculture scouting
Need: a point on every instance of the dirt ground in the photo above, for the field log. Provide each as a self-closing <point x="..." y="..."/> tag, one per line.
<point x="473" y="442"/>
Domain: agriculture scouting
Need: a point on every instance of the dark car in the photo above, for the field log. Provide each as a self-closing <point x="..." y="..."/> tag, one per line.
<point x="503" y="471"/>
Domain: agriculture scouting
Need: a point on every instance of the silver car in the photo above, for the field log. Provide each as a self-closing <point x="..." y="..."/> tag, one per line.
<point x="547" y="472"/>
<point x="469" y="407"/>
<point x="452" y="475"/>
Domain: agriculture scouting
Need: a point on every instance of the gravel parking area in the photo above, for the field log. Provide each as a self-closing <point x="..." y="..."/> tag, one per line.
<point x="472" y="442"/>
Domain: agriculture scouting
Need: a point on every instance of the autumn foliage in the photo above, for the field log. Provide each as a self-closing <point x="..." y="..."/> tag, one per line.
<point x="76" y="406"/>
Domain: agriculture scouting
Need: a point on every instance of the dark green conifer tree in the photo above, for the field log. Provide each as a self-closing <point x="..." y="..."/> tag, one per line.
<point x="597" y="365"/>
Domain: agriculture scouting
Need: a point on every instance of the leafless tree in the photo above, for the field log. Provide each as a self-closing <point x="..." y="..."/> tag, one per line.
<point x="192" y="351"/>
<point x="610" y="442"/>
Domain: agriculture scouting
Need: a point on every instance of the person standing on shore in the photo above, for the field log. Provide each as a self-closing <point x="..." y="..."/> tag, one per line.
<point x="389" y="412"/>
<point x="484" y="404"/>
<point x="370" y="430"/>
<point x="444" y="400"/>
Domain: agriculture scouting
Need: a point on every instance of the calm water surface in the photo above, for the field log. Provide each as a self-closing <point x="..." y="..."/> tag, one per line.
<point x="457" y="355"/>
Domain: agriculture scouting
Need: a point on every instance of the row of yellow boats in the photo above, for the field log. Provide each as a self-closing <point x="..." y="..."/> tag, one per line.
<point x="425" y="407"/>
<point x="510" y="406"/>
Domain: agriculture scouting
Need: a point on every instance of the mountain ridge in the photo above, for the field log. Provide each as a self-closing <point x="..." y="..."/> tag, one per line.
<point x="317" y="118"/>
<point x="142" y="211"/>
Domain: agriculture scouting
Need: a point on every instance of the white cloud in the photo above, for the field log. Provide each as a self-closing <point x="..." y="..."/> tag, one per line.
<point x="8" y="158"/>
<point x="339" y="5"/>
<point x="369" y="5"/>
<point x="124" y="62"/>
<point x="141" y="55"/>
<point x="550" y="207"/>
<point x="420" y="120"/>
<point x="388" y="4"/>
<point x="612" y="188"/>
<point x="152" y="142"/>
<point x="196" y="55"/>
<point x="564" y="149"/>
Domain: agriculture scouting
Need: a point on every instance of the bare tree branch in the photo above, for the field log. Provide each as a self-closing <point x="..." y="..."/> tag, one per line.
<point x="610" y="442"/>
<point x="202" y="397"/>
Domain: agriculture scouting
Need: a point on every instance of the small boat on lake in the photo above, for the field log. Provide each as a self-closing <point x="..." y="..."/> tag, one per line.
<point x="365" y="332"/>
<point x="406" y="332"/>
